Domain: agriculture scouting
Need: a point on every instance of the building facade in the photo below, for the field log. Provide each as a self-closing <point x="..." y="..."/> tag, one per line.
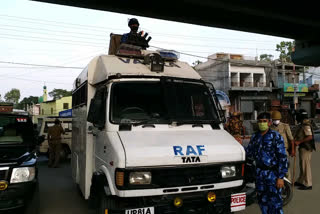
<point x="256" y="86"/>
<point x="246" y="81"/>
<point x="53" y="107"/>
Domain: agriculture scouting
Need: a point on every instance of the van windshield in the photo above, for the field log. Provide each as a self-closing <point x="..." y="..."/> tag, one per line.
<point x="15" y="129"/>
<point x="161" y="103"/>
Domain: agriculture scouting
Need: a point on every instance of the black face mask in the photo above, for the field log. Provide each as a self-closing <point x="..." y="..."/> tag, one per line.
<point x="134" y="28"/>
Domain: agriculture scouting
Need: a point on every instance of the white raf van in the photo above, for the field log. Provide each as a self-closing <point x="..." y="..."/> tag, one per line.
<point x="147" y="137"/>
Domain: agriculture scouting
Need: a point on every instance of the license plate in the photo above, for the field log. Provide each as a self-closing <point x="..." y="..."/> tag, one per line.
<point x="238" y="202"/>
<point x="145" y="210"/>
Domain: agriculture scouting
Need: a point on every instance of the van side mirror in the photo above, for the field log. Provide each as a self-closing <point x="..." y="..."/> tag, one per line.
<point x="97" y="110"/>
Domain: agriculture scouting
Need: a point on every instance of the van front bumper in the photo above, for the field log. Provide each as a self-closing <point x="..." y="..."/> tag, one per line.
<point x="17" y="195"/>
<point x="193" y="203"/>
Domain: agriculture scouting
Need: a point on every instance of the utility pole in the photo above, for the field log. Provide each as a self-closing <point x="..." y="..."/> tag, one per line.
<point x="295" y="88"/>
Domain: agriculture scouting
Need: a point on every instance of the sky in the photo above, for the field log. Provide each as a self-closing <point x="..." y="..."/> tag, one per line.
<point x="35" y="33"/>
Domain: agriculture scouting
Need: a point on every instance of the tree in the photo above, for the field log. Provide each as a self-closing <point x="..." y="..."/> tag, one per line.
<point x="59" y="93"/>
<point x="266" y="57"/>
<point x="27" y="101"/>
<point x="12" y="96"/>
<point x="285" y="49"/>
<point x="1" y="99"/>
<point x="197" y="62"/>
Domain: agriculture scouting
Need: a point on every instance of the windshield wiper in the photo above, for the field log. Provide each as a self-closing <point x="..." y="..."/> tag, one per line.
<point x="144" y="122"/>
<point x="192" y="122"/>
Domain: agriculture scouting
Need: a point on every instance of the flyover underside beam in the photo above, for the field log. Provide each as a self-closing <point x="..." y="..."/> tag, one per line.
<point x="278" y="18"/>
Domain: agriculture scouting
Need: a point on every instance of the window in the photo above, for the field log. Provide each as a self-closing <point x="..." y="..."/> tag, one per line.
<point x="42" y="112"/>
<point x="51" y="110"/>
<point x="67" y="126"/>
<point x="161" y="103"/>
<point x="15" y="130"/>
<point x="65" y="105"/>
<point x="137" y="101"/>
<point x="79" y="96"/>
<point x="47" y="125"/>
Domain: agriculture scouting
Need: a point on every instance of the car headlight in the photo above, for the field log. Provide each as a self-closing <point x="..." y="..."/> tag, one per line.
<point x="140" y="178"/>
<point x="228" y="171"/>
<point x="23" y="174"/>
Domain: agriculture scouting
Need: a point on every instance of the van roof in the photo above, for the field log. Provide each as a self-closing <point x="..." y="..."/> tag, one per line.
<point x="103" y="67"/>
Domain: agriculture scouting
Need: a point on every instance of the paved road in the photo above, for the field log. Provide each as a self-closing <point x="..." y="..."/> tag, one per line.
<point x="303" y="201"/>
<point x="59" y="194"/>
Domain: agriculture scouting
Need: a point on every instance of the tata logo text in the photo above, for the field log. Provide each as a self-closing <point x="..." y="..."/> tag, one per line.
<point x="189" y="154"/>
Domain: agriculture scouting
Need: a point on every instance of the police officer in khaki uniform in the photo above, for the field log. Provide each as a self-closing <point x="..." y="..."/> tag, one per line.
<point x="285" y="132"/>
<point x="304" y="139"/>
<point x="235" y="126"/>
<point x="54" y="140"/>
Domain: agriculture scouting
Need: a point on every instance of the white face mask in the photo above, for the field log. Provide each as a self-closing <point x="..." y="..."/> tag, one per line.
<point x="276" y="122"/>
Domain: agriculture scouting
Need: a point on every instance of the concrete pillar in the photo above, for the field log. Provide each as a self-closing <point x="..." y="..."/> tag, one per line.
<point x="237" y="79"/>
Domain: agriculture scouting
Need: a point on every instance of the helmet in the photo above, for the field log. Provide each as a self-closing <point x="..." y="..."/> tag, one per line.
<point x="276" y="115"/>
<point x="133" y="21"/>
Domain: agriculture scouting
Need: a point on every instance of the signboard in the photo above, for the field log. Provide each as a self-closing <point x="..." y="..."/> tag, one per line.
<point x="290" y="87"/>
<point x="66" y="113"/>
<point x="292" y="94"/>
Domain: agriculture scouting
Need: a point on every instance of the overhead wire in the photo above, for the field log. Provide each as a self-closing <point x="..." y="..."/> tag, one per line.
<point x="96" y="44"/>
<point x="40" y="21"/>
<point x="32" y="80"/>
<point x="41" y="65"/>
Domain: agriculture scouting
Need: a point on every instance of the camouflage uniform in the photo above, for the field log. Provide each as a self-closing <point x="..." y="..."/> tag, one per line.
<point x="271" y="163"/>
<point x="235" y="127"/>
<point x="305" y="151"/>
<point x="54" y="139"/>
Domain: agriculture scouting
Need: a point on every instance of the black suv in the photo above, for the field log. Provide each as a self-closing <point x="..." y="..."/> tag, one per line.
<point x="19" y="186"/>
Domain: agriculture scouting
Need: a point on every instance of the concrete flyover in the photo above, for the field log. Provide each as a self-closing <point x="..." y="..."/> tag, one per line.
<point x="299" y="21"/>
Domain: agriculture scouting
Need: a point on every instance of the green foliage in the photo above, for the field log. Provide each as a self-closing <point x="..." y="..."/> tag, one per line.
<point x="197" y="62"/>
<point x="27" y="100"/>
<point x="12" y="96"/>
<point x="59" y="93"/>
<point x="285" y="49"/>
<point x="266" y="57"/>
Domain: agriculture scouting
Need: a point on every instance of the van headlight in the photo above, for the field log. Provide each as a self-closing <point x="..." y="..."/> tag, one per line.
<point x="228" y="171"/>
<point x="23" y="174"/>
<point x="137" y="178"/>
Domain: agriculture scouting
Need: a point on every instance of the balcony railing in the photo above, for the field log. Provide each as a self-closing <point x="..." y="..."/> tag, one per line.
<point x="248" y="84"/>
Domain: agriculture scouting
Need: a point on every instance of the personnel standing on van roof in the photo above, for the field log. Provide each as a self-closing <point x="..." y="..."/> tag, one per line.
<point x="134" y="26"/>
<point x="54" y="140"/>
<point x="305" y="140"/>
<point x="235" y="126"/>
<point x="266" y="147"/>
<point x="285" y="131"/>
